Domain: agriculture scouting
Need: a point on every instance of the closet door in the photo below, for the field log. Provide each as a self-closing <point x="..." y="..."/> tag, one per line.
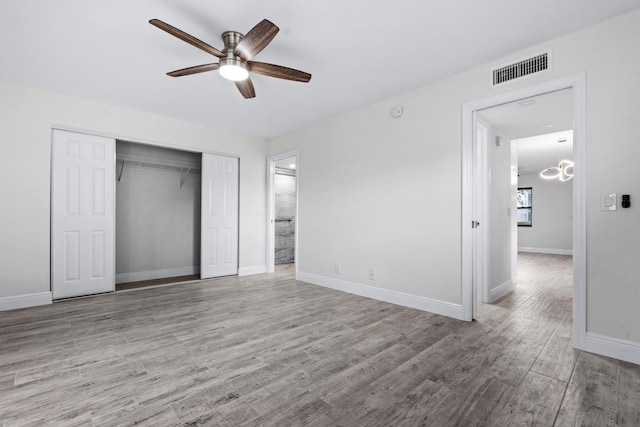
<point x="82" y="217"/>
<point x="219" y="228"/>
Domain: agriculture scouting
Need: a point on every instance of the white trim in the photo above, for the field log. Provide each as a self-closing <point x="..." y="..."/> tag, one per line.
<point x="386" y="295"/>
<point x="545" y="250"/>
<point x="468" y="211"/>
<point x="23" y="301"/>
<point x="137" y="276"/>
<point x="482" y="202"/>
<point x="578" y="83"/>
<point x="144" y="141"/>
<point x="271" y="208"/>
<point x="617" y="348"/>
<point x="500" y="291"/>
<point x="251" y="270"/>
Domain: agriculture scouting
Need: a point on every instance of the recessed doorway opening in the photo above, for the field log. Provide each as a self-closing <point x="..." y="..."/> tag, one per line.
<point x="282" y="201"/>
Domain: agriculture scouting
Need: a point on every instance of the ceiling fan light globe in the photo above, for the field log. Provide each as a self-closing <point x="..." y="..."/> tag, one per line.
<point x="233" y="72"/>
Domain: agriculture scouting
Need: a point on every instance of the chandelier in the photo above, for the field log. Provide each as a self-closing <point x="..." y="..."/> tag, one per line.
<point x="562" y="172"/>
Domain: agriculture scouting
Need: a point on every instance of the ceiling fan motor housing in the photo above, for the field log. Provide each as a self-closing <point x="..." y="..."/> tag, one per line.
<point x="230" y="63"/>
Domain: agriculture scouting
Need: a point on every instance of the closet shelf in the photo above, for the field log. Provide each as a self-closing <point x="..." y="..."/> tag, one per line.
<point x="185" y="171"/>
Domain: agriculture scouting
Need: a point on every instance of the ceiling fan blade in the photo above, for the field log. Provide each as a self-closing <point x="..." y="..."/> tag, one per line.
<point x="246" y="88"/>
<point x="256" y="39"/>
<point x="194" y="70"/>
<point x="186" y="37"/>
<point x="279" y="72"/>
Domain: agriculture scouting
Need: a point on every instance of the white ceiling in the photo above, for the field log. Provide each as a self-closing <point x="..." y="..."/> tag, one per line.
<point x="359" y="51"/>
<point x="537" y="153"/>
<point x="551" y="112"/>
<point x="536" y="124"/>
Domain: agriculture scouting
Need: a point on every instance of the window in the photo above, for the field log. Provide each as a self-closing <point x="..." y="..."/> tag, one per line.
<point x="524" y="207"/>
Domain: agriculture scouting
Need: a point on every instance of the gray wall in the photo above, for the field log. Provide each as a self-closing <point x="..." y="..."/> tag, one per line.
<point x="285" y="205"/>
<point x="552" y="216"/>
<point x="157" y="222"/>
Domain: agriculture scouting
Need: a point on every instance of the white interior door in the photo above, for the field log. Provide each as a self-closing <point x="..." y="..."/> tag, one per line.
<point x="83" y="218"/>
<point x="219" y="229"/>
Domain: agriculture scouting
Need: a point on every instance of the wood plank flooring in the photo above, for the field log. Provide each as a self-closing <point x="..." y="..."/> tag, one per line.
<point x="155" y="282"/>
<point x="269" y="351"/>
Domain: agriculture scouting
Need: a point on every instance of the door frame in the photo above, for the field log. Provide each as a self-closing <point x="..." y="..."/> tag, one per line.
<point x="577" y="82"/>
<point x="271" y="208"/>
<point x="482" y="237"/>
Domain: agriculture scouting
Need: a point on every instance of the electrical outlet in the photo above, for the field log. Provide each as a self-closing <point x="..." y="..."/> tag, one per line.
<point x="338" y="268"/>
<point x="372" y="274"/>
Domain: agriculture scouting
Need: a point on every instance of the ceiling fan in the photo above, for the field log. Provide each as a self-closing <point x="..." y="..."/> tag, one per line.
<point x="235" y="59"/>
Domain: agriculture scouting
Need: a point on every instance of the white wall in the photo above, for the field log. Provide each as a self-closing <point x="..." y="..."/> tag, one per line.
<point x="552" y="216"/>
<point x="501" y="217"/>
<point x="157" y="219"/>
<point x="378" y="192"/>
<point x="26" y="119"/>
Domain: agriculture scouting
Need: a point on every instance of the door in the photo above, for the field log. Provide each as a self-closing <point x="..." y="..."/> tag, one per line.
<point x="82" y="217"/>
<point x="219" y="229"/>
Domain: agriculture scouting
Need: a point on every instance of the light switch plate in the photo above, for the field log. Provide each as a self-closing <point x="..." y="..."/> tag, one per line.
<point x="608" y="202"/>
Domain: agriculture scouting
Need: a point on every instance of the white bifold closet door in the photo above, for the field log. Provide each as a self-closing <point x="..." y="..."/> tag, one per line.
<point x="82" y="214"/>
<point x="219" y="222"/>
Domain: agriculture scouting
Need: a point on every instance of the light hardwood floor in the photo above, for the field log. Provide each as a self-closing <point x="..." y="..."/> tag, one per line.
<point x="267" y="350"/>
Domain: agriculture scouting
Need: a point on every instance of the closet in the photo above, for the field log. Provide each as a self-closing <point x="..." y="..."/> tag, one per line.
<point x="157" y="213"/>
<point x="128" y="212"/>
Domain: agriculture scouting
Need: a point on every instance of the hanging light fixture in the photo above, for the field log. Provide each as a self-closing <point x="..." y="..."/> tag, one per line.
<point x="563" y="172"/>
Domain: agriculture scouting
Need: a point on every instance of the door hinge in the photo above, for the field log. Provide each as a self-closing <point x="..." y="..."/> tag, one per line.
<point x="475" y="224"/>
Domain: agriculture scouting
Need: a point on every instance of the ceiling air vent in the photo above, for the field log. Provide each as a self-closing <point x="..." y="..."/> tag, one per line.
<point x="525" y="67"/>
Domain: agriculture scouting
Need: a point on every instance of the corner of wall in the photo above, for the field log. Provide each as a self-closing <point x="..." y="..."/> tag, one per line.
<point x="501" y="290"/>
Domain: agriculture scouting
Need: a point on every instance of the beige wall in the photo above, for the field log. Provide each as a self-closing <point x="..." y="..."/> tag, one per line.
<point x="378" y="192"/>
<point x="26" y="119"/>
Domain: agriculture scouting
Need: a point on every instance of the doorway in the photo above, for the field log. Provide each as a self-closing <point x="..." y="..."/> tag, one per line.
<point x="282" y="204"/>
<point x="285" y="211"/>
<point x="523" y="210"/>
<point x="471" y="195"/>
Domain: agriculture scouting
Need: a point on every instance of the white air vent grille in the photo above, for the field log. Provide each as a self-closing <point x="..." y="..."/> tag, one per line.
<point x="525" y="67"/>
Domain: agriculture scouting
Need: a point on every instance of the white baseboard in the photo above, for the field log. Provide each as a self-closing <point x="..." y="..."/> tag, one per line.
<point x="137" y="276"/>
<point x="546" y="251"/>
<point x="500" y="291"/>
<point x="386" y="295"/>
<point x="616" y="348"/>
<point x="250" y="271"/>
<point x="23" y="301"/>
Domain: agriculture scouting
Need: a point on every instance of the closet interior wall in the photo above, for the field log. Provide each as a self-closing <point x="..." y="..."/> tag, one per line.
<point x="157" y="212"/>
